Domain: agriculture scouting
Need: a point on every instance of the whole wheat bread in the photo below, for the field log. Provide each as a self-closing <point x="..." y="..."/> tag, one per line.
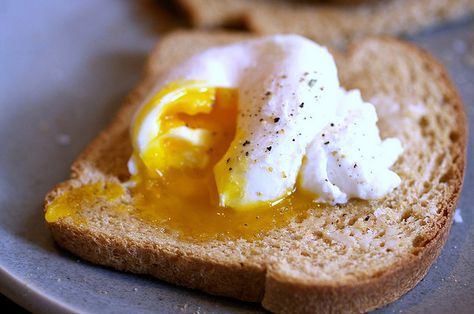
<point x="353" y="257"/>
<point x="326" y="23"/>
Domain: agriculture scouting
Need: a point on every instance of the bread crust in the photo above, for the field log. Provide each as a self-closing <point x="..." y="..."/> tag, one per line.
<point x="246" y="281"/>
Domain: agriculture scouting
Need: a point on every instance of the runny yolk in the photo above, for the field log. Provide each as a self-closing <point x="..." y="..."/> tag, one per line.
<point x="174" y="188"/>
<point x="73" y="202"/>
<point x="185" y="199"/>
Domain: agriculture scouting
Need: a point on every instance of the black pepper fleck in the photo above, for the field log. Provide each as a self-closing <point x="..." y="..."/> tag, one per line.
<point x="245" y="143"/>
<point x="276" y="120"/>
<point x="325" y="143"/>
<point x="302" y="105"/>
<point x="269" y="148"/>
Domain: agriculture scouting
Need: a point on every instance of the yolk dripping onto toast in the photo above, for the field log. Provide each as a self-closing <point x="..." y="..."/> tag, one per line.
<point x="173" y="187"/>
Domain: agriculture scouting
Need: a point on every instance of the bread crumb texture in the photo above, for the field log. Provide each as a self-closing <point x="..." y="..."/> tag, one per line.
<point x="352" y="257"/>
<point x="340" y="23"/>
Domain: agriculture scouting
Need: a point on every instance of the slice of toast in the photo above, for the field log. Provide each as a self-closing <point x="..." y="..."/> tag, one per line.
<point x="352" y="257"/>
<point x="325" y="23"/>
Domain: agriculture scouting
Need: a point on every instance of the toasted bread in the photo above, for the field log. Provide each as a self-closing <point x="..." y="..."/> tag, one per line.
<point x="325" y="23"/>
<point x="353" y="257"/>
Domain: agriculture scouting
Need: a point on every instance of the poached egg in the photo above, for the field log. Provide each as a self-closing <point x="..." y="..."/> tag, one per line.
<point x="251" y="115"/>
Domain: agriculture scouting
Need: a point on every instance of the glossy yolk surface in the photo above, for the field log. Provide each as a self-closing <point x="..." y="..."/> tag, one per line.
<point x="174" y="188"/>
<point x="194" y="125"/>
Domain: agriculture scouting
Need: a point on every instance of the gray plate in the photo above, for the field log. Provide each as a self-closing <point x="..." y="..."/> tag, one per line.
<point x="64" y="69"/>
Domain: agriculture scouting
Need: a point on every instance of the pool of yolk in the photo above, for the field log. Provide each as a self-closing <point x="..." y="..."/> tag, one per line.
<point x="189" y="206"/>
